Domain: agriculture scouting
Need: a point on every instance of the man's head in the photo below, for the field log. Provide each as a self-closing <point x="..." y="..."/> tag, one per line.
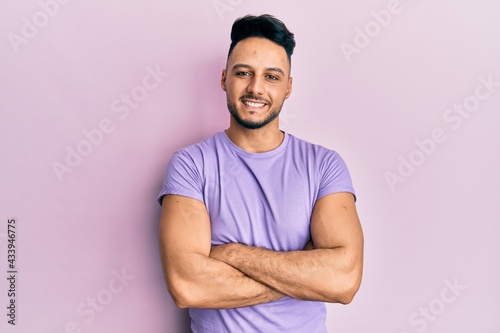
<point x="257" y="75"/>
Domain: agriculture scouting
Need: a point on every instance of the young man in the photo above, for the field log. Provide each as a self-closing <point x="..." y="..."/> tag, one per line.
<point x="259" y="228"/>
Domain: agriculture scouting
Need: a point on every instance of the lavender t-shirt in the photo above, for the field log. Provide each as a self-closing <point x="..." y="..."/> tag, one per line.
<point x="259" y="199"/>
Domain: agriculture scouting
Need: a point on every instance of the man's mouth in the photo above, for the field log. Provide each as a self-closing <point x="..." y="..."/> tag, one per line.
<point x="253" y="104"/>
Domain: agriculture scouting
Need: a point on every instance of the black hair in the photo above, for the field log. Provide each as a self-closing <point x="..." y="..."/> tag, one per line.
<point x="263" y="26"/>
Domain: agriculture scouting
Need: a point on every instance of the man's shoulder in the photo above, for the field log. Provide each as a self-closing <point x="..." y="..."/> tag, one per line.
<point x="306" y="146"/>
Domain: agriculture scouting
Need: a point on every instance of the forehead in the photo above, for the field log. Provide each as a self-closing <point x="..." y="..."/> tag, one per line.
<point x="259" y="53"/>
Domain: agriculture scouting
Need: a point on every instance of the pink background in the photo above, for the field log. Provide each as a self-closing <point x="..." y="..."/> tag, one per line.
<point x="67" y="73"/>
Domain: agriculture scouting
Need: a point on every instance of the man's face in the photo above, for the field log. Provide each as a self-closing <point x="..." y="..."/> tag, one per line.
<point x="256" y="81"/>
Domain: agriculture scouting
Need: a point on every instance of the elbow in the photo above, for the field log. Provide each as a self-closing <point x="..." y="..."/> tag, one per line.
<point x="347" y="296"/>
<point x="345" y="291"/>
<point x="350" y="283"/>
<point x="181" y="304"/>
<point x="180" y="300"/>
<point x="186" y="290"/>
<point x="351" y="289"/>
<point x="341" y="295"/>
<point x="179" y="293"/>
<point x="187" y="294"/>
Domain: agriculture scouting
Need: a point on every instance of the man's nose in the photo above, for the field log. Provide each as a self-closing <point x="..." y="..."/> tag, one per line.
<point x="256" y="86"/>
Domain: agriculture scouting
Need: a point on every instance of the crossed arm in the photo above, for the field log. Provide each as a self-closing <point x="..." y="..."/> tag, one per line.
<point x="234" y="275"/>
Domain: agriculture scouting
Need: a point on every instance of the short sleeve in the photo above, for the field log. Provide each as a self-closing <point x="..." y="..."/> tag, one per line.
<point x="334" y="175"/>
<point x="182" y="177"/>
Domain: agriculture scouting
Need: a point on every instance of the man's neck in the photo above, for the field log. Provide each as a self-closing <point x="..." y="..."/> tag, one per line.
<point x="258" y="140"/>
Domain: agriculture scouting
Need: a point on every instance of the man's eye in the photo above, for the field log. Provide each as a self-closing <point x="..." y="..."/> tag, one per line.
<point x="272" y="77"/>
<point x="243" y="73"/>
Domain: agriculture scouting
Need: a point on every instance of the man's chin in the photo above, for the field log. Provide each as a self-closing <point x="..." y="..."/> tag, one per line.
<point x="252" y="124"/>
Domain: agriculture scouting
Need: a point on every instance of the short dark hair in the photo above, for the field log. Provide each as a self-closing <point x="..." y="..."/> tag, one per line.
<point x="263" y="26"/>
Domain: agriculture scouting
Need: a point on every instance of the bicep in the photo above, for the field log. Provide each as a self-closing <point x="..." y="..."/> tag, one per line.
<point x="184" y="232"/>
<point x="335" y="223"/>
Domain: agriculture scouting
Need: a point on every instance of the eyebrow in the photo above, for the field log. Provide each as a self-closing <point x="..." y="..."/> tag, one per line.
<point x="271" y="69"/>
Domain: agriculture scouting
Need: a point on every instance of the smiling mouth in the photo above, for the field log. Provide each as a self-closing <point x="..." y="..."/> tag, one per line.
<point x="254" y="104"/>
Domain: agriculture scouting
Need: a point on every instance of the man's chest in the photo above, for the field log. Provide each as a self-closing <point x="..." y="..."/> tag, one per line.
<point x="267" y="206"/>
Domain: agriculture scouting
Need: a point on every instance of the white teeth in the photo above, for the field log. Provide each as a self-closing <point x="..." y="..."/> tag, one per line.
<point x="254" y="105"/>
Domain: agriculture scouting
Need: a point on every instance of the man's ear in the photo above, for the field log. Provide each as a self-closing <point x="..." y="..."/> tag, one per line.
<point x="223" y="80"/>
<point x="289" y="89"/>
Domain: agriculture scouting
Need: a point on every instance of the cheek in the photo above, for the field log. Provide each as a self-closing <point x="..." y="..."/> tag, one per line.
<point x="234" y="87"/>
<point x="278" y="94"/>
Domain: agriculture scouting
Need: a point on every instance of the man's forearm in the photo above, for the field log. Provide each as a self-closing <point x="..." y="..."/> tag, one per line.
<point x="319" y="274"/>
<point x="211" y="283"/>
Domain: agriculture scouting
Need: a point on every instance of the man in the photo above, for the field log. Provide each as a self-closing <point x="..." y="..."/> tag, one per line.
<point x="259" y="228"/>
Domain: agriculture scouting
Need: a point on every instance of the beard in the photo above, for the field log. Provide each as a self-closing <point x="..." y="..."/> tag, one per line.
<point x="233" y="110"/>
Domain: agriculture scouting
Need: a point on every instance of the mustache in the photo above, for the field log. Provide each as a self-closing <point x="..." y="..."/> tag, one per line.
<point x="255" y="98"/>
